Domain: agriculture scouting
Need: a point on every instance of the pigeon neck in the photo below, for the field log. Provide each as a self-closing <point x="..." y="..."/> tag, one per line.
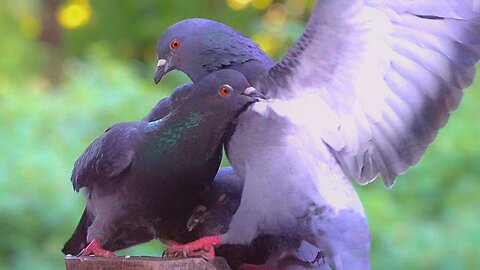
<point x="190" y="130"/>
<point x="175" y="125"/>
<point x="195" y="77"/>
<point x="250" y="68"/>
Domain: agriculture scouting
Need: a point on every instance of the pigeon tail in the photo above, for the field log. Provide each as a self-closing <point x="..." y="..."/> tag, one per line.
<point x="78" y="240"/>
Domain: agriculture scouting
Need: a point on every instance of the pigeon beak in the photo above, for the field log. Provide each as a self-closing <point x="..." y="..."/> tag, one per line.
<point x="253" y="92"/>
<point x="162" y="67"/>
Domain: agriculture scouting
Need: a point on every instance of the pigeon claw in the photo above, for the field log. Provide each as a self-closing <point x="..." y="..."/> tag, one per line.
<point x="203" y="247"/>
<point x="94" y="248"/>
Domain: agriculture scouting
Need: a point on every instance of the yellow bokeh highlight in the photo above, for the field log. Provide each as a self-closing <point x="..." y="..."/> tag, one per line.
<point x="277" y="14"/>
<point x="261" y="4"/>
<point x="238" y="4"/>
<point x="74" y="15"/>
<point x="268" y="43"/>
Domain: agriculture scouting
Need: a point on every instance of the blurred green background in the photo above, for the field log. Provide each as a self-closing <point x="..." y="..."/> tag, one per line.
<point x="69" y="69"/>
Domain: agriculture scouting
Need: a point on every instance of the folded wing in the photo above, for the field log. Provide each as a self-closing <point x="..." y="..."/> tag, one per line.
<point x="107" y="157"/>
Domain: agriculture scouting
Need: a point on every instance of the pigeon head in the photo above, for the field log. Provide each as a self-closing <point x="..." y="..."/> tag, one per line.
<point x="198" y="47"/>
<point x="223" y="94"/>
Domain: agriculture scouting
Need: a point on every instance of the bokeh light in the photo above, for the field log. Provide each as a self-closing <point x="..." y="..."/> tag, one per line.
<point x="238" y="4"/>
<point x="276" y="14"/>
<point x="264" y="41"/>
<point x="75" y="14"/>
<point x="271" y="43"/>
<point x="261" y="4"/>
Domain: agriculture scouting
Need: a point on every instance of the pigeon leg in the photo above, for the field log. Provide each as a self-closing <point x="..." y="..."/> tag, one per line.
<point x="96" y="249"/>
<point x="203" y="247"/>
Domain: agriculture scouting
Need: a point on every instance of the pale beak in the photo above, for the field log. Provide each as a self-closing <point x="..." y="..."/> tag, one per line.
<point x="161" y="70"/>
<point x="252" y="92"/>
<point x="249" y="90"/>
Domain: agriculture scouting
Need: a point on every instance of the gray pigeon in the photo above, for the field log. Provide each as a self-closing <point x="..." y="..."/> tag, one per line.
<point x="214" y="216"/>
<point x="141" y="178"/>
<point x="361" y="94"/>
<point x="200" y="46"/>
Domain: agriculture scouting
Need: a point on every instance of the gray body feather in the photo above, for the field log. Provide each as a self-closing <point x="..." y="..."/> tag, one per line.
<point x="207" y="46"/>
<point x="361" y="94"/>
<point x="222" y="201"/>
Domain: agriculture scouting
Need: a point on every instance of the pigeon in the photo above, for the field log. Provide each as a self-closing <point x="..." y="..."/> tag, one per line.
<point x="78" y="240"/>
<point x="168" y="104"/>
<point x="141" y="178"/>
<point x="215" y="214"/>
<point x="361" y="94"/>
<point x="211" y="216"/>
<point x="199" y="47"/>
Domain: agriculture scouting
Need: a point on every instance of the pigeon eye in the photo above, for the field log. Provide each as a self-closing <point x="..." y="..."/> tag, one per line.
<point x="175" y="44"/>
<point x="225" y="90"/>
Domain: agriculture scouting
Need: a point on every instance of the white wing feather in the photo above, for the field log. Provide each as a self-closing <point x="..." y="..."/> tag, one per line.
<point x="385" y="76"/>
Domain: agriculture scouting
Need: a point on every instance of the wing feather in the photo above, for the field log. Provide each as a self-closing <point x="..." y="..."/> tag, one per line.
<point x="107" y="157"/>
<point x="390" y="71"/>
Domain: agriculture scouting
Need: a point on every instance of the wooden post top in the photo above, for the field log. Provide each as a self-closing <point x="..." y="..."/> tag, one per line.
<point x="143" y="263"/>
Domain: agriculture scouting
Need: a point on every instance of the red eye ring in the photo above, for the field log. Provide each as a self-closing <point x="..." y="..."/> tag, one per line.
<point x="175" y="44"/>
<point x="225" y="90"/>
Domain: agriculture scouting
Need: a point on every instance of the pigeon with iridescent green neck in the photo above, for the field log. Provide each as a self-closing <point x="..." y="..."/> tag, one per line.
<point x="141" y="177"/>
<point x="361" y="94"/>
<point x="168" y="104"/>
<point x="199" y="47"/>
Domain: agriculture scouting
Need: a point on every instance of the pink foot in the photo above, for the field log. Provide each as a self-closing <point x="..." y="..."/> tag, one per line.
<point x="203" y="247"/>
<point x="95" y="249"/>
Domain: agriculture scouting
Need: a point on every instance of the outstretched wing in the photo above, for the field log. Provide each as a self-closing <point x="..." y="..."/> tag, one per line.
<point x="380" y="78"/>
<point x="107" y="157"/>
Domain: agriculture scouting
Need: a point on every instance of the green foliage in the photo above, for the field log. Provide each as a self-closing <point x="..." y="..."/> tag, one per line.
<point x="46" y="132"/>
<point x="131" y="28"/>
<point x="429" y="220"/>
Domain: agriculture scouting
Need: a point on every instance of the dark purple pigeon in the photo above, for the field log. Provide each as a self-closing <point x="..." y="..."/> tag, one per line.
<point x="143" y="178"/>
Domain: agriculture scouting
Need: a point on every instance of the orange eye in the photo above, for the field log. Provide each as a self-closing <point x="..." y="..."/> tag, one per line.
<point x="225" y="90"/>
<point x="175" y="44"/>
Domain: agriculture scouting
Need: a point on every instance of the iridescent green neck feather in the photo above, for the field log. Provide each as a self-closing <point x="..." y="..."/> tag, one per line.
<point x="178" y="129"/>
